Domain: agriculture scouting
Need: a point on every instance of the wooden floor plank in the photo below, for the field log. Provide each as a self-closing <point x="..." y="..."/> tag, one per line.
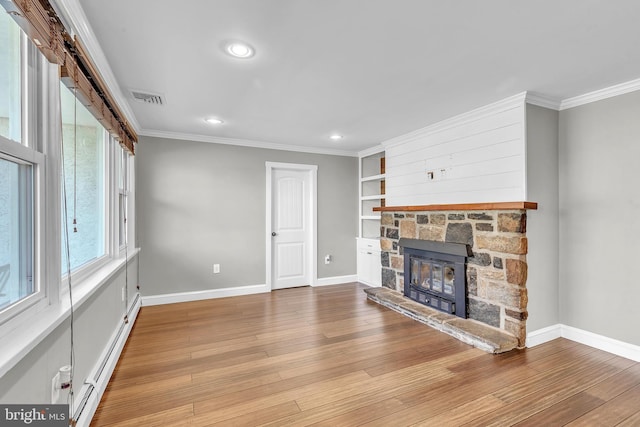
<point x="564" y="411"/>
<point x="361" y="415"/>
<point x="613" y="412"/>
<point x="253" y="418"/>
<point x="228" y="407"/>
<point x="555" y="392"/>
<point x="632" y="421"/>
<point x="464" y="414"/>
<point x="328" y="357"/>
<point x="178" y="416"/>
<point x="432" y="398"/>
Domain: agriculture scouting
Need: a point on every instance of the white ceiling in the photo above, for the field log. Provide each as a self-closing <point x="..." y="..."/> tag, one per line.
<point x="370" y="70"/>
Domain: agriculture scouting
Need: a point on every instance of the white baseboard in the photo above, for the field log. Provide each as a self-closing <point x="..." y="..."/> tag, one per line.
<point x="373" y="285"/>
<point x="619" y="348"/>
<point x="103" y="370"/>
<point x="150" y="300"/>
<point x="544" y="335"/>
<point x="610" y="345"/>
<point x="336" y="280"/>
<point x="201" y="295"/>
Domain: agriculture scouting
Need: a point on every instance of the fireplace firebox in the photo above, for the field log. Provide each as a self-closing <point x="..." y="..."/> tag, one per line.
<point x="435" y="274"/>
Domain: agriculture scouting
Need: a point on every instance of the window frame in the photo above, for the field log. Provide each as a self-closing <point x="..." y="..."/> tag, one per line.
<point x="84" y="271"/>
<point x="124" y="191"/>
<point x="30" y="150"/>
<point x="112" y="248"/>
<point x="19" y="153"/>
<point x="22" y="41"/>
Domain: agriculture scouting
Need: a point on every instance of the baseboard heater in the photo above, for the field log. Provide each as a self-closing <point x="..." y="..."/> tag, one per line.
<point x="92" y="383"/>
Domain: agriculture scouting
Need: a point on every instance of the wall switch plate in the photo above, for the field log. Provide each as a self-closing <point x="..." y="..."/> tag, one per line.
<point x="327" y="259"/>
<point x="216" y="268"/>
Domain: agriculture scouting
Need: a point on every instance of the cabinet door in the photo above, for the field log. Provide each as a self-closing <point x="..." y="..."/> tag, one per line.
<point x="375" y="269"/>
<point x="369" y="268"/>
<point x="363" y="266"/>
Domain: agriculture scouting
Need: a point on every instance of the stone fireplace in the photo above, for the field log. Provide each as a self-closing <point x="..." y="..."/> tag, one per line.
<point x="496" y="273"/>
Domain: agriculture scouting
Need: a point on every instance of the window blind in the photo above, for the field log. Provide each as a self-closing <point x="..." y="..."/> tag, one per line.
<point x="41" y="24"/>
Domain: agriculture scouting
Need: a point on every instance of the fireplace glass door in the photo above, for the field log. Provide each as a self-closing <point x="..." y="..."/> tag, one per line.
<point x="434" y="276"/>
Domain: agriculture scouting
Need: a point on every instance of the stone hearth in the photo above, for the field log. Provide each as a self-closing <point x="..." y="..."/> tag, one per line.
<point x="496" y="273"/>
<point x="471" y="332"/>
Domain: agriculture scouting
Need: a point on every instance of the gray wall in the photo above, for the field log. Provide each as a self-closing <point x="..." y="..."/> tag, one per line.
<point x="542" y="224"/>
<point x="95" y="322"/>
<point x="600" y="217"/>
<point x="199" y="204"/>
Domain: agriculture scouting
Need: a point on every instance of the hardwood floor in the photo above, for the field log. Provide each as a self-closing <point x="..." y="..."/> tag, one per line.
<point x="327" y="356"/>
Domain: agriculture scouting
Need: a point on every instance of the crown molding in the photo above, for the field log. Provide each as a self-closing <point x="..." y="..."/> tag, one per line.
<point x="371" y="150"/>
<point x="72" y="15"/>
<point x="245" y="143"/>
<point x="541" y="100"/>
<point x="598" y="95"/>
<point x="473" y="115"/>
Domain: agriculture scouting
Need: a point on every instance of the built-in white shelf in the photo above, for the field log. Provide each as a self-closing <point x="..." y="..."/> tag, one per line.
<point x="371" y="187"/>
<point x="373" y="197"/>
<point x="371" y="217"/>
<point x="378" y="177"/>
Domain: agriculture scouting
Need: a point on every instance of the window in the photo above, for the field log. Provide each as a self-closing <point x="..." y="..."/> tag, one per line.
<point x="21" y="171"/>
<point x="16" y="231"/>
<point x="32" y="159"/>
<point x="10" y="79"/>
<point x="84" y="183"/>
<point x="123" y="193"/>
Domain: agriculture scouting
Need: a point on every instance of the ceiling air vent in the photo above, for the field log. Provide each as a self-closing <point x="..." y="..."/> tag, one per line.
<point x="148" y="98"/>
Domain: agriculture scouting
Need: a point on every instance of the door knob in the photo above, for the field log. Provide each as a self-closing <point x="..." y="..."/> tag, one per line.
<point x="274" y="234"/>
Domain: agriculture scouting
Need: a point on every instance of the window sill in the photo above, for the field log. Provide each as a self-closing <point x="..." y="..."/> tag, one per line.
<point x="19" y="339"/>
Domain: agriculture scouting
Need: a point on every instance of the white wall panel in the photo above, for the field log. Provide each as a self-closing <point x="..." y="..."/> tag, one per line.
<point x="468" y="190"/>
<point x="476" y="158"/>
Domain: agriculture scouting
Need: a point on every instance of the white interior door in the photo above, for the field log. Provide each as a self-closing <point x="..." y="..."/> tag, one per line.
<point x="291" y="228"/>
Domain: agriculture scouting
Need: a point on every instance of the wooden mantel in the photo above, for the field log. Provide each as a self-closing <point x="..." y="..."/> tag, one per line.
<point x="497" y="206"/>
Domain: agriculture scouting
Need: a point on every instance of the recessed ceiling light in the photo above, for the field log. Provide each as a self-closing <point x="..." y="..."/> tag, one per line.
<point x="335" y="137"/>
<point x="213" y="121"/>
<point x="239" y="49"/>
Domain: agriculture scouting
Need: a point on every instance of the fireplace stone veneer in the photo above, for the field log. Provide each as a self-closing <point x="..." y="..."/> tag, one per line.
<point x="497" y="271"/>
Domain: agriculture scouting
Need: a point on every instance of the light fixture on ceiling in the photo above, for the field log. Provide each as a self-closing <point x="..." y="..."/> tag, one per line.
<point x="335" y="137"/>
<point x="239" y="49"/>
<point x="214" y="121"/>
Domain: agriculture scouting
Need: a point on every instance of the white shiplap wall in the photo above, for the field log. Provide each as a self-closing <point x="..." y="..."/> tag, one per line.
<point x="475" y="157"/>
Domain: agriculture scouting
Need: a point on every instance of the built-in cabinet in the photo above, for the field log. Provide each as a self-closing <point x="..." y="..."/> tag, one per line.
<point x="369" y="268"/>
<point x="372" y="194"/>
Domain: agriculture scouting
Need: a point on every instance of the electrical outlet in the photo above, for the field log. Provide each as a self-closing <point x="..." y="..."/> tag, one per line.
<point x="216" y="268"/>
